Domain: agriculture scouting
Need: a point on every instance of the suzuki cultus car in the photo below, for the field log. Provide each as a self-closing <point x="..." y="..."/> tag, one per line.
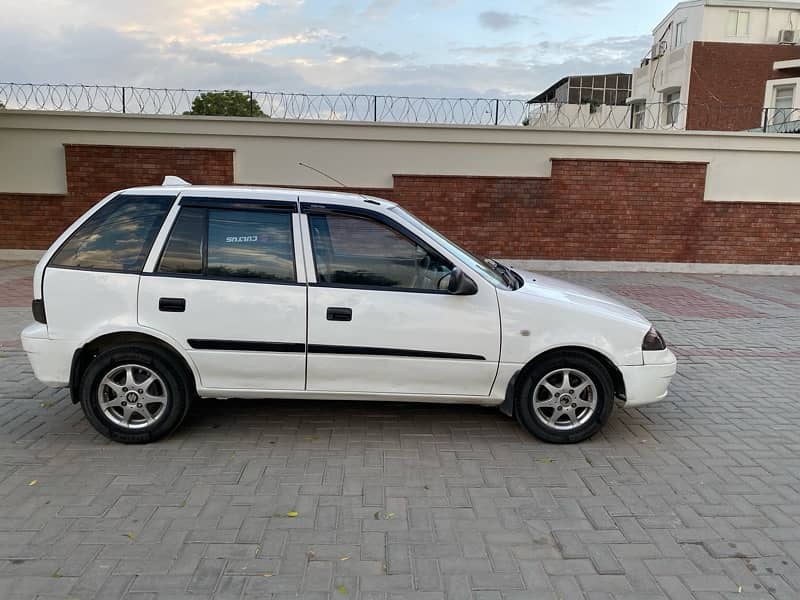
<point x="160" y="294"/>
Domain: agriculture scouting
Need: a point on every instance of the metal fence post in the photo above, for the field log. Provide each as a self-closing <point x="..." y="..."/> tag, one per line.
<point x="123" y="100"/>
<point x="251" y="103"/>
<point x="496" y="111"/>
<point x="766" y="120"/>
<point x="375" y="109"/>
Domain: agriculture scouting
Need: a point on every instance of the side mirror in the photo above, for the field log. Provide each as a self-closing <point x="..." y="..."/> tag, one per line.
<point x="460" y="284"/>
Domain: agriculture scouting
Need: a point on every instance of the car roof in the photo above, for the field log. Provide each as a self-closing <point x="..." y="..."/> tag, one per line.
<point x="240" y="192"/>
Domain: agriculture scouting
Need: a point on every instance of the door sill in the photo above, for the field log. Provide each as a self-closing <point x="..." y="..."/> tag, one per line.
<point x="356" y="396"/>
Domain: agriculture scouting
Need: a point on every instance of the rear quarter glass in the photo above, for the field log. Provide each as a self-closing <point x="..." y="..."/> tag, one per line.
<point x="118" y="237"/>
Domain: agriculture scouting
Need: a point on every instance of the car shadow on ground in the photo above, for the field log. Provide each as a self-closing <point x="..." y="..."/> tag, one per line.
<point x="384" y="424"/>
<point x="295" y="415"/>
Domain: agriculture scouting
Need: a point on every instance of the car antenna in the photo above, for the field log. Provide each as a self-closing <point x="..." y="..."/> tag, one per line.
<point x="323" y="173"/>
<point x="332" y="178"/>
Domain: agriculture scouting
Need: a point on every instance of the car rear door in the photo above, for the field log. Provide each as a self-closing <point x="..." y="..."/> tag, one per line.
<point x="378" y="318"/>
<point x="227" y="287"/>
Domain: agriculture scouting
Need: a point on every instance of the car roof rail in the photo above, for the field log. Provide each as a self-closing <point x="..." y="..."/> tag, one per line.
<point x="171" y="180"/>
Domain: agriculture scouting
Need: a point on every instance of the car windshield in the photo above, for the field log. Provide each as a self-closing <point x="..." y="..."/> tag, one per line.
<point x="478" y="263"/>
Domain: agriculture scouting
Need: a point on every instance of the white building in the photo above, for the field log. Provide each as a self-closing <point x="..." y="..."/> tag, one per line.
<point x="717" y="64"/>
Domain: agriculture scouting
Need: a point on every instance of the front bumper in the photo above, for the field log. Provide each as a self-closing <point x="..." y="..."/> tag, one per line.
<point x="50" y="359"/>
<point x="648" y="383"/>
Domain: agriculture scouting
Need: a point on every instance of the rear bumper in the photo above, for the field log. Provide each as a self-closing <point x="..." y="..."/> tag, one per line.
<point x="648" y="383"/>
<point x="50" y="359"/>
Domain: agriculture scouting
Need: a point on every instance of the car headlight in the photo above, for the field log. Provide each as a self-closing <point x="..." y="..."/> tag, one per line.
<point x="654" y="341"/>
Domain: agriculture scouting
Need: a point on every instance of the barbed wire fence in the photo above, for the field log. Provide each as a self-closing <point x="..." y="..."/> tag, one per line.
<point x="278" y="105"/>
<point x="402" y="109"/>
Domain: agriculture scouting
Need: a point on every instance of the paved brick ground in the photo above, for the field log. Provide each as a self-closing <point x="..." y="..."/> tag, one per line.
<point x="698" y="497"/>
<point x="15" y="301"/>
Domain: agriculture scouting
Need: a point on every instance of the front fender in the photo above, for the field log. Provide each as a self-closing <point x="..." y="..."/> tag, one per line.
<point x="537" y="321"/>
<point x="533" y="325"/>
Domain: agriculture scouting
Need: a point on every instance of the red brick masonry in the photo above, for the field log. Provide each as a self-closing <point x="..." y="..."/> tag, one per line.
<point x="604" y="210"/>
<point x="586" y="210"/>
<point x="33" y="221"/>
<point x="726" y="90"/>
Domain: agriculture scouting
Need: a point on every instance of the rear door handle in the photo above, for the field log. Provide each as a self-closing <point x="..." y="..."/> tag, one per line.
<point x="336" y="313"/>
<point x="172" y="304"/>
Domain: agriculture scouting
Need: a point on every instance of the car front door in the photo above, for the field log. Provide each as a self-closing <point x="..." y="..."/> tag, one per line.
<point x="228" y="289"/>
<point x="378" y="318"/>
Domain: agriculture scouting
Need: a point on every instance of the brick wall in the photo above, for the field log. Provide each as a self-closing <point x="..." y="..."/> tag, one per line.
<point x="586" y="210"/>
<point x="726" y="88"/>
<point x="654" y="211"/>
<point x="601" y="210"/>
<point x="604" y="210"/>
<point x="30" y="221"/>
<point x="494" y="216"/>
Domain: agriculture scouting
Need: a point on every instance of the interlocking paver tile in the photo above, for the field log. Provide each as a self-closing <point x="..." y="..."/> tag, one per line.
<point x="683" y="302"/>
<point x="693" y="498"/>
<point x="16" y="292"/>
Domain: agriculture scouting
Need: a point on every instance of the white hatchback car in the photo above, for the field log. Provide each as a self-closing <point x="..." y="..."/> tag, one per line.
<point x="160" y="294"/>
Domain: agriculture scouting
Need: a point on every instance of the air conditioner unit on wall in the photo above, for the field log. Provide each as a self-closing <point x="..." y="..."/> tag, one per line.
<point x="658" y="50"/>
<point x="788" y="36"/>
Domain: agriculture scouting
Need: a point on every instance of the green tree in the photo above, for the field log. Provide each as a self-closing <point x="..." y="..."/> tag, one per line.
<point x="230" y="103"/>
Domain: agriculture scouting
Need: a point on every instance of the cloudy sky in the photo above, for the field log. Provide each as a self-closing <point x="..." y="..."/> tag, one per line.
<point x="429" y="47"/>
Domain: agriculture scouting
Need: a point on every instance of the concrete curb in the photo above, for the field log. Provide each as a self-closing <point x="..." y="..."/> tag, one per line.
<point x="652" y="267"/>
<point x="32" y="255"/>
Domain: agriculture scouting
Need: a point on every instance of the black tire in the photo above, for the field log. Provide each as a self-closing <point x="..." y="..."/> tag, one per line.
<point x="531" y="378"/>
<point x="173" y="382"/>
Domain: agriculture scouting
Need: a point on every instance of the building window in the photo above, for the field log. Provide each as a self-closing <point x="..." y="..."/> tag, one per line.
<point x="783" y="103"/>
<point x="738" y="23"/>
<point x="672" y="107"/>
<point x="680" y="34"/>
<point x="595" y="90"/>
<point x="638" y="109"/>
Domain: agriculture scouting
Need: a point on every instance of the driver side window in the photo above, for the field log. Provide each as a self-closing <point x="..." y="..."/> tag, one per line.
<point x="351" y="250"/>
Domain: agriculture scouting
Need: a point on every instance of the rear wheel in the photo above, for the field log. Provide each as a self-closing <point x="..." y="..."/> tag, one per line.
<point x="565" y="398"/>
<point x="135" y="394"/>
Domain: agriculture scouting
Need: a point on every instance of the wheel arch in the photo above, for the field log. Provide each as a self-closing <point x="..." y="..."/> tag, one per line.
<point x="84" y="355"/>
<point x="507" y="407"/>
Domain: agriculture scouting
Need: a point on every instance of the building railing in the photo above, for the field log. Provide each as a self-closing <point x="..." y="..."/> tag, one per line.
<point x="664" y="116"/>
<point x="397" y="109"/>
<point x="781" y="120"/>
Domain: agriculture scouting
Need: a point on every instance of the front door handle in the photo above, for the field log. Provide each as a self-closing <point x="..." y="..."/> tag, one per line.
<point x="172" y="304"/>
<point x="336" y="313"/>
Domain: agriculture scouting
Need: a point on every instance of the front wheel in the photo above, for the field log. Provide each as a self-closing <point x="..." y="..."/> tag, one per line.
<point x="135" y="394"/>
<point x="565" y="398"/>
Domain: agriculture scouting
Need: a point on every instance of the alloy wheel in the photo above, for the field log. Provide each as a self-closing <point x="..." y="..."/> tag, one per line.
<point x="564" y="399"/>
<point x="132" y="396"/>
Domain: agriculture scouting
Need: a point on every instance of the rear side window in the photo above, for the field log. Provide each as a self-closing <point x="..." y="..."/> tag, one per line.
<point x="118" y="237"/>
<point x="183" y="253"/>
<point x="237" y="244"/>
<point x="250" y="244"/>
